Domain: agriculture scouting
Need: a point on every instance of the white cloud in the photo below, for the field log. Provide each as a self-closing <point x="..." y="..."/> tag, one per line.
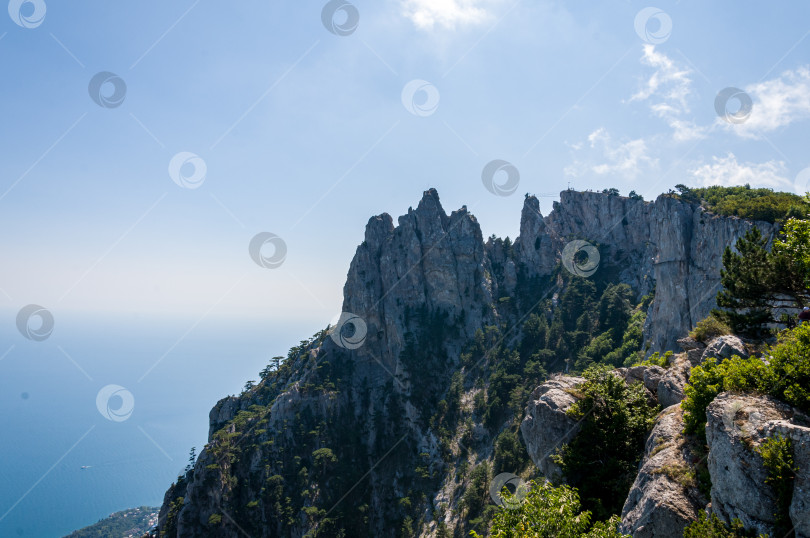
<point x="425" y="14"/>
<point x="776" y="103"/>
<point x="626" y="159"/>
<point x="727" y="172"/>
<point x="667" y="91"/>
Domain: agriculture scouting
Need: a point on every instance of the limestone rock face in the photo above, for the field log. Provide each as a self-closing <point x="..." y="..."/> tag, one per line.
<point x="430" y="259"/>
<point x="737" y="424"/>
<point x="427" y="262"/>
<point x="546" y="425"/>
<point x="674" y="245"/>
<point x="664" y="498"/>
<point x="725" y="347"/>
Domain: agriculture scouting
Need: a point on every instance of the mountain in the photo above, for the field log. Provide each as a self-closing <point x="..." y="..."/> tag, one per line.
<point x="393" y="422"/>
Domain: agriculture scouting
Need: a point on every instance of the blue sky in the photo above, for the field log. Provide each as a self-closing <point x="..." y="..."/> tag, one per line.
<point x="306" y="134"/>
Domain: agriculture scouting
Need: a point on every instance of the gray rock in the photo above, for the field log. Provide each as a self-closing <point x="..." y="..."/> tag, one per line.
<point x="649" y="376"/>
<point x="693" y="349"/>
<point x="546" y="426"/>
<point x="664" y="498"/>
<point x="725" y="347"/>
<point x="736" y="425"/>
<point x="671" y="386"/>
<point x="674" y="245"/>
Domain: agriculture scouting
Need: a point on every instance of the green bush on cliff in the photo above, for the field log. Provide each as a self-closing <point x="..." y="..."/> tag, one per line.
<point x="708" y="328"/>
<point x="548" y="512"/>
<point x="786" y="377"/>
<point x="755" y="204"/>
<point x="602" y="459"/>
<point x="777" y="456"/>
<point x="712" y="527"/>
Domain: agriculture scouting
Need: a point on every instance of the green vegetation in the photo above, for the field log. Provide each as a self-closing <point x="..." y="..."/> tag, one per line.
<point x="712" y="527"/>
<point x="656" y="359"/>
<point x="756" y="281"/>
<point x="214" y="519"/>
<point x="555" y="323"/>
<point x="135" y="521"/>
<point x="709" y="328"/>
<point x="777" y="455"/>
<point x="786" y="377"/>
<point x="548" y="512"/>
<point x="602" y="459"/>
<point x="748" y="203"/>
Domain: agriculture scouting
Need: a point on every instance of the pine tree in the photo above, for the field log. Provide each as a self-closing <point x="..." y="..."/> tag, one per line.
<point x="756" y="282"/>
<point x="747" y="278"/>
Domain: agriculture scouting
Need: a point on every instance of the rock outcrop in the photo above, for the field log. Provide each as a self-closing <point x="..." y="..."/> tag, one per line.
<point x="668" y="244"/>
<point x="725" y="347"/>
<point x="737" y="425"/>
<point x="419" y="290"/>
<point x="664" y="498"/>
<point x="546" y="425"/>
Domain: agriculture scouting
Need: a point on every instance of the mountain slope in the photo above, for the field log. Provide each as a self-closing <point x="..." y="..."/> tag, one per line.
<point x="393" y="422"/>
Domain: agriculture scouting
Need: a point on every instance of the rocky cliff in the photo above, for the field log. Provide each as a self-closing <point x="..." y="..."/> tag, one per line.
<point x="670" y="246"/>
<point x="384" y="424"/>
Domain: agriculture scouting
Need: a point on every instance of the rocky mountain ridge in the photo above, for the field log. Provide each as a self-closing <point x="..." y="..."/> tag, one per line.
<point x="350" y="434"/>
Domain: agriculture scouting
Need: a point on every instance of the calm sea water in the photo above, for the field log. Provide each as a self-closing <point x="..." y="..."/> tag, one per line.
<point x="50" y="424"/>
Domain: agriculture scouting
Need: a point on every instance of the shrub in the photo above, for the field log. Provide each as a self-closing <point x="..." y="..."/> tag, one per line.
<point x="709" y="328"/>
<point x="656" y="359"/>
<point x="602" y="459"/>
<point x="710" y="379"/>
<point x="786" y="377"/>
<point x="777" y="455"/>
<point x="549" y="512"/>
<point x="214" y="519"/>
<point x="712" y="527"/>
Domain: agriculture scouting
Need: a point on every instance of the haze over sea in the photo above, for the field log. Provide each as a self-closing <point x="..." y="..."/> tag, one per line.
<point x="50" y="405"/>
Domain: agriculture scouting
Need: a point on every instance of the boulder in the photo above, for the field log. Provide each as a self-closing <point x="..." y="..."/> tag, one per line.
<point x="693" y="349"/>
<point x="725" y="347"/>
<point x="736" y="426"/>
<point x="649" y="376"/>
<point x="547" y="426"/>
<point x="672" y="383"/>
<point x="664" y="498"/>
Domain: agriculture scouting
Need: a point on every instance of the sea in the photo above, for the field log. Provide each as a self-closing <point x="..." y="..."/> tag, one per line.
<point x="101" y="415"/>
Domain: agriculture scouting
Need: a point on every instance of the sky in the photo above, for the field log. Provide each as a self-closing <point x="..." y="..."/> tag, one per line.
<point x="146" y="144"/>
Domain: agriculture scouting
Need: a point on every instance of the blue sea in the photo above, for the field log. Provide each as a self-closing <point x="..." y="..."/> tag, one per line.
<point x="51" y="425"/>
